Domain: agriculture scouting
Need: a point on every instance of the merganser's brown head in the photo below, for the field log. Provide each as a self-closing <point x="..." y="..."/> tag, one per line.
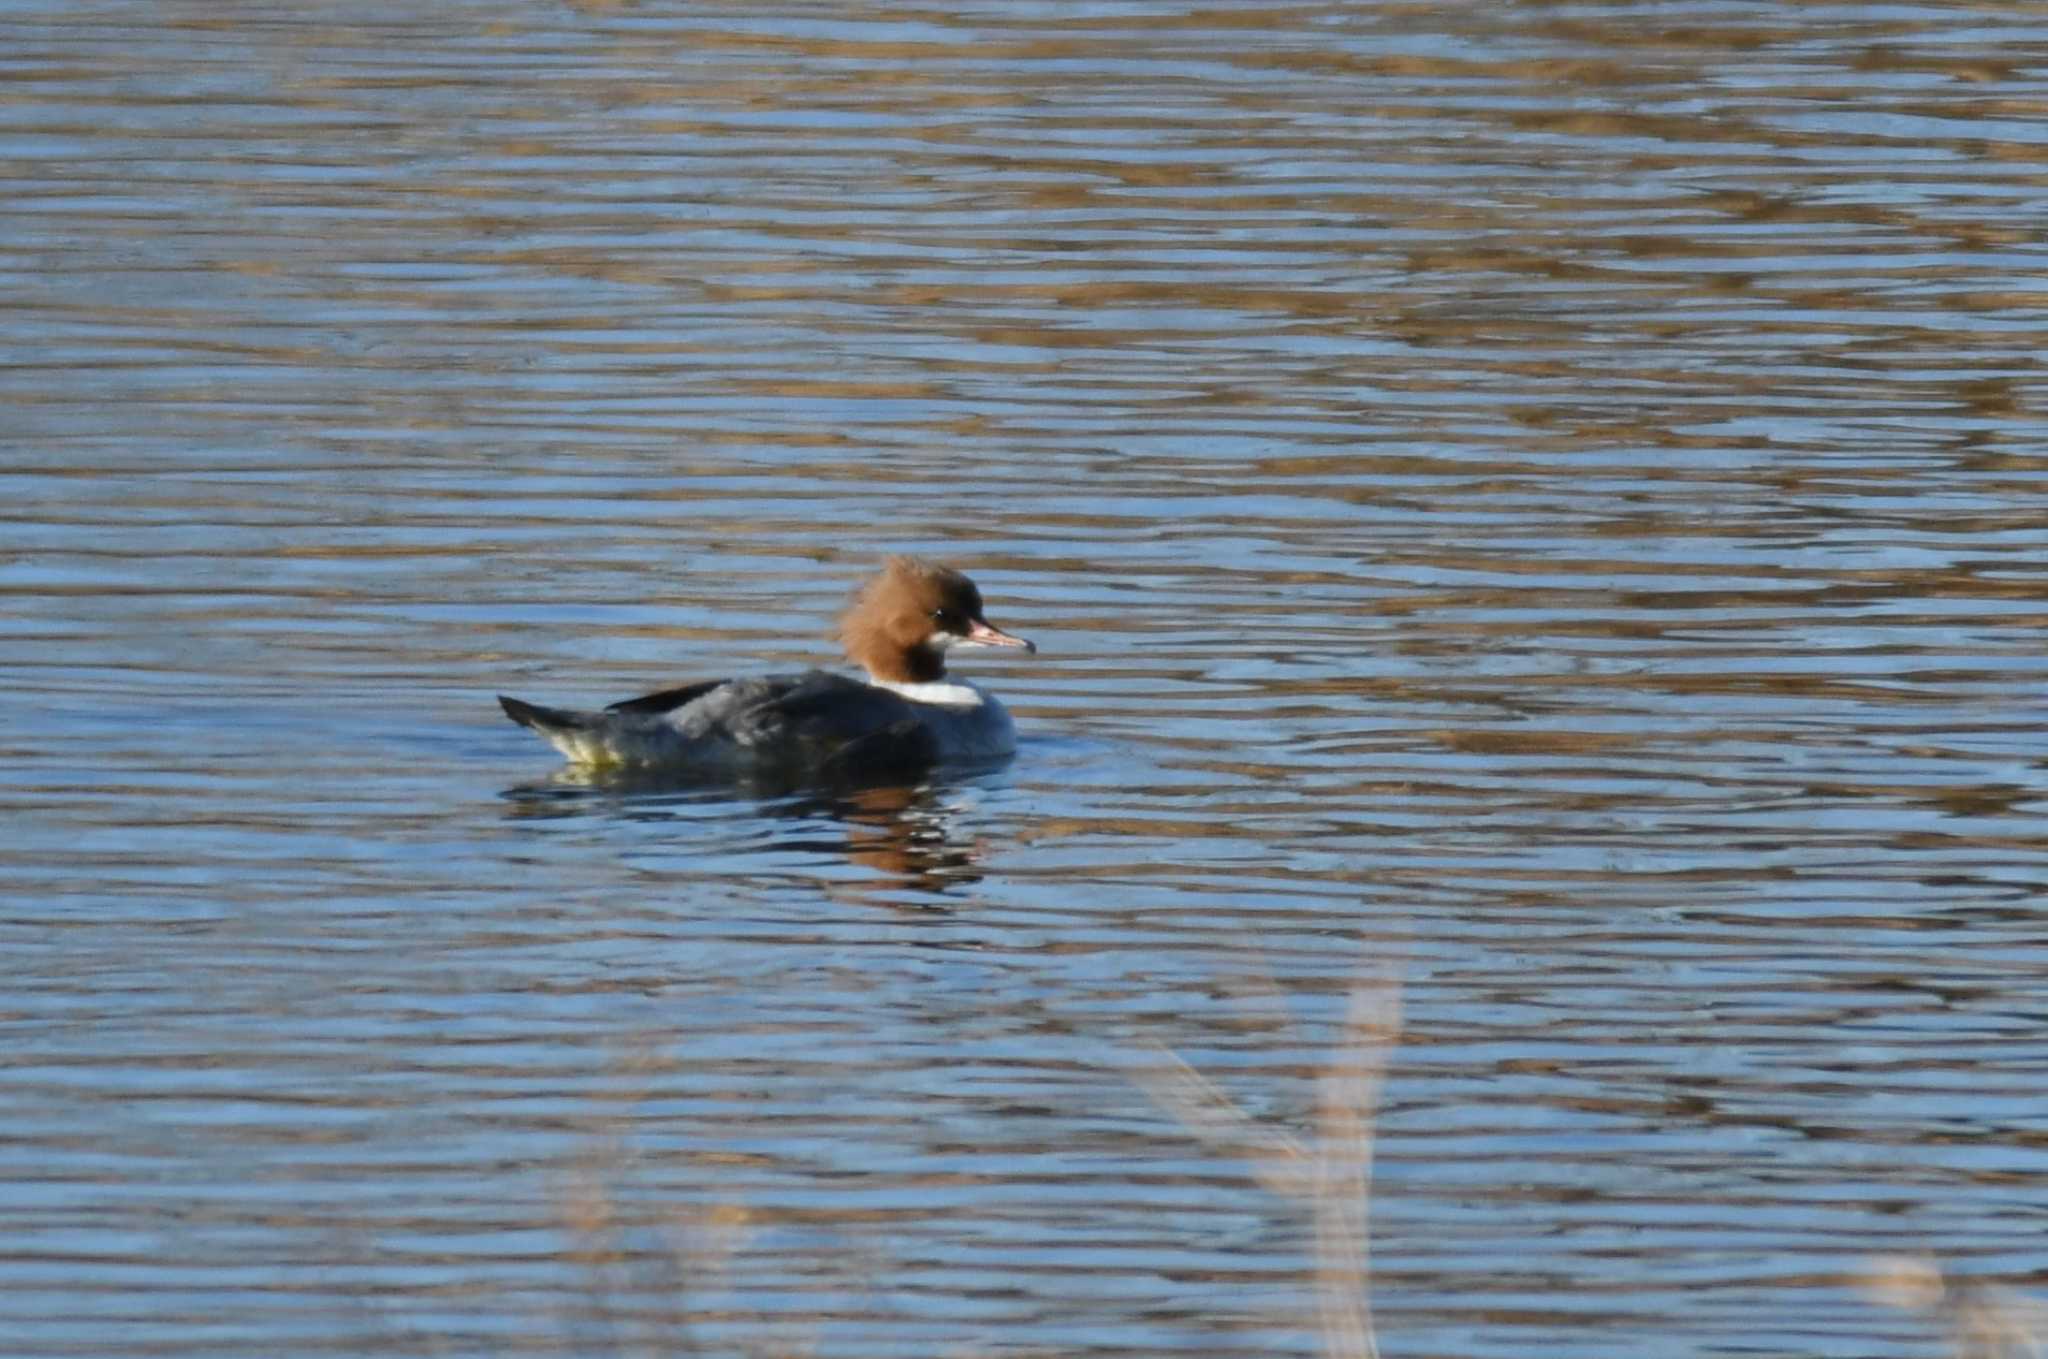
<point x="901" y="623"/>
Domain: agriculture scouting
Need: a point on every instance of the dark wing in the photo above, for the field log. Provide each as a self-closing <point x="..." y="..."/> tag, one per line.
<point x="848" y="727"/>
<point x="903" y="748"/>
<point x="668" y="700"/>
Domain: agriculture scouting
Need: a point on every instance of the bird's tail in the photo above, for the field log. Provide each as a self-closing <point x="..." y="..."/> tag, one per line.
<point x="583" y="737"/>
<point x="547" y="721"/>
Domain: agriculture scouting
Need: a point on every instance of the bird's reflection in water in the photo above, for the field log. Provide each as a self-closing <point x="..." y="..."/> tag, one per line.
<point x="907" y="833"/>
<point x="902" y="832"/>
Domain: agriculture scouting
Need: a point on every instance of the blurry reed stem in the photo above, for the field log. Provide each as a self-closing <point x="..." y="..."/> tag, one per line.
<point x="1348" y="1105"/>
<point x="1983" y="1321"/>
<point x="1333" y="1176"/>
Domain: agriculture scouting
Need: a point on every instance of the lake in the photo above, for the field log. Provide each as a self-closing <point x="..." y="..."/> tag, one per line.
<point x="1533" y="520"/>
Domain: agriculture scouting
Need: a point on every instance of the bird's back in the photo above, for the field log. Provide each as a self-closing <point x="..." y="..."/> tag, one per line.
<point x="813" y="722"/>
<point x="816" y="718"/>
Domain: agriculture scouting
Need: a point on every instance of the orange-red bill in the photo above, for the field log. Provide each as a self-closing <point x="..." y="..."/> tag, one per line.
<point x="981" y="634"/>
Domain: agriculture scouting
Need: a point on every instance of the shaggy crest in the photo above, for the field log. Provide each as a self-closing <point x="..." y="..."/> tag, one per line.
<point x="888" y="629"/>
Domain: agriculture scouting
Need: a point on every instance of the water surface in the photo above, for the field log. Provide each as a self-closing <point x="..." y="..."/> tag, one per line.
<point x="1532" y="512"/>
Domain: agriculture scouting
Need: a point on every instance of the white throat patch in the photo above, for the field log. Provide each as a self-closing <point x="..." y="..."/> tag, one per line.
<point x="943" y="692"/>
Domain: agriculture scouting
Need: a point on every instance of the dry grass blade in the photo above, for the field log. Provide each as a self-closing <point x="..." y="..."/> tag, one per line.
<point x="1332" y="1178"/>
<point x="1277" y="1159"/>
<point x="1983" y="1321"/>
<point x="1350" y="1095"/>
<point x="587" y="1211"/>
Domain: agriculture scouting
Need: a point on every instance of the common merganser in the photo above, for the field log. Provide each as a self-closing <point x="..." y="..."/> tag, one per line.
<point x="905" y="715"/>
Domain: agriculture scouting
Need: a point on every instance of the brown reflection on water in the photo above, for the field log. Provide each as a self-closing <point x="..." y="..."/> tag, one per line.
<point x="902" y="835"/>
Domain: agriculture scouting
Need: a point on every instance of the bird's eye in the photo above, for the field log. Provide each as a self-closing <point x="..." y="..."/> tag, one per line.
<point x="944" y="617"/>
